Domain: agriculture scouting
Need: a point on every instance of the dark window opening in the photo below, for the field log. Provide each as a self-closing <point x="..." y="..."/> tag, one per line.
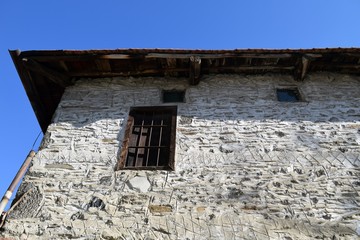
<point x="149" y="141"/>
<point x="173" y="96"/>
<point x="288" y="95"/>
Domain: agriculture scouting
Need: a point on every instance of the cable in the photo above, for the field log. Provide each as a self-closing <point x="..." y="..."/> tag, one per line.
<point x="36" y="140"/>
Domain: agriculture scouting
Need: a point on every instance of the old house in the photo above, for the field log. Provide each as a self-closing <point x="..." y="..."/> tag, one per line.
<point x="191" y="144"/>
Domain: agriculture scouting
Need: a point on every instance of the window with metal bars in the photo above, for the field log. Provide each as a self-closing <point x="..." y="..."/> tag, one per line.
<point x="149" y="141"/>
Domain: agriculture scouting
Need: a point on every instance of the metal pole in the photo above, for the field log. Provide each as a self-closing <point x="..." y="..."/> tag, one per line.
<point x="16" y="180"/>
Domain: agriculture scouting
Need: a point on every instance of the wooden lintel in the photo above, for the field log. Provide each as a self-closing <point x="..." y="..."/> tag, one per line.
<point x="301" y="68"/>
<point x="59" y="78"/>
<point x="195" y="70"/>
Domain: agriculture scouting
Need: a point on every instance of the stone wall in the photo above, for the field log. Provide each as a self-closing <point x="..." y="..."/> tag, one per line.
<point x="247" y="166"/>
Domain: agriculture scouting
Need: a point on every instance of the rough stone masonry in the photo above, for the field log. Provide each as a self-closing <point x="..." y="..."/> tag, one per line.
<point x="246" y="166"/>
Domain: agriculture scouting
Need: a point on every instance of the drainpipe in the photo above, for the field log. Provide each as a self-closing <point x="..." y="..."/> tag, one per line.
<point x="16" y="180"/>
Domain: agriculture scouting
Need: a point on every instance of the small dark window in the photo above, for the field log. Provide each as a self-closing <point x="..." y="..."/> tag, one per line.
<point x="173" y="96"/>
<point x="149" y="141"/>
<point x="288" y="95"/>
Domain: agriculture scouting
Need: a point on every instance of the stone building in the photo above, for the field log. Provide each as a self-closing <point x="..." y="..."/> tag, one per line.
<point x="191" y="144"/>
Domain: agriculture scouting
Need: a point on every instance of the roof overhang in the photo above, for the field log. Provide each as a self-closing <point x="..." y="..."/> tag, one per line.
<point x="46" y="74"/>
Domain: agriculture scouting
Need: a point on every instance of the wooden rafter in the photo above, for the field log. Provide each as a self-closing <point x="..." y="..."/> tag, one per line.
<point x="64" y="66"/>
<point x="169" y="63"/>
<point x="301" y="68"/>
<point x="103" y="65"/>
<point x="195" y="70"/>
<point x="58" y="78"/>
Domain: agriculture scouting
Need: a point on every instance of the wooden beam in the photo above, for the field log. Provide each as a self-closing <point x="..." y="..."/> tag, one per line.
<point x="116" y="56"/>
<point x="220" y="55"/>
<point x="103" y="65"/>
<point x="125" y="73"/>
<point x="161" y="55"/>
<point x="58" y="78"/>
<point x="334" y="65"/>
<point x="87" y="57"/>
<point x="146" y="54"/>
<point x="64" y="66"/>
<point x="171" y="62"/>
<point x="247" y="68"/>
<point x="301" y="68"/>
<point x="162" y="71"/>
<point x="56" y="58"/>
<point x="305" y="67"/>
<point x="32" y="91"/>
<point x="195" y="70"/>
<point x="313" y="56"/>
<point x="71" y="55"/>
<point x="356" y="55"/>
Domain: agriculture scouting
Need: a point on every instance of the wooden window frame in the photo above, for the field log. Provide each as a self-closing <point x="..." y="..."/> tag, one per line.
<point x="170" y="113"/>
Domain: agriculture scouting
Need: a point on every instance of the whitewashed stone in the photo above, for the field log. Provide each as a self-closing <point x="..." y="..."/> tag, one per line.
<point x="140" y="184"/>
<point x="246" y="165"/>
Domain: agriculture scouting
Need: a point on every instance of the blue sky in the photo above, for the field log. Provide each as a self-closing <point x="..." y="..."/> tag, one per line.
<point x="109" y="24"/>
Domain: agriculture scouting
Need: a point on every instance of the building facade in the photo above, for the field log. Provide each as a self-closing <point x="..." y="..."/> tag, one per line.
<point x="243" y="144"/>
